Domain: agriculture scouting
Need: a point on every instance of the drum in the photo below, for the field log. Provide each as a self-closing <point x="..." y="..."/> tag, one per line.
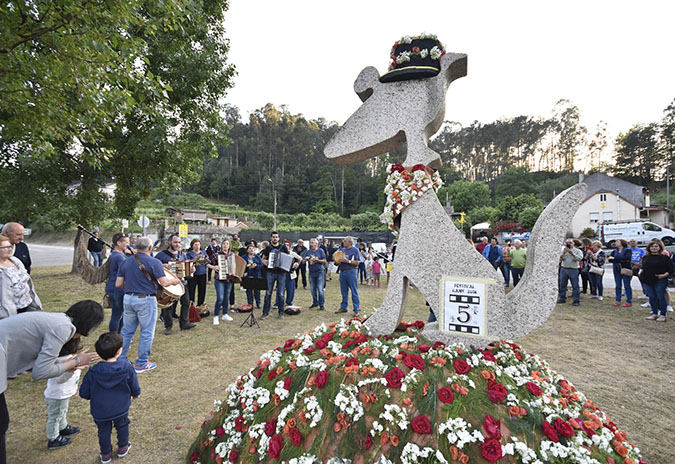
<point x="166" y="296"/>
<point x="338" y="256"/>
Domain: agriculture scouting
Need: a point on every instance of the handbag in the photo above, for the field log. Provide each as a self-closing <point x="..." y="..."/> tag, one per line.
<point x="597" y="270"/>
<point x="628" y="272"/>
<point x="107" y="301"/>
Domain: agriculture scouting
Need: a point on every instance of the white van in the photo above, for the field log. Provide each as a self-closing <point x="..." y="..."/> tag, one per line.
<point x="642" y="231"/>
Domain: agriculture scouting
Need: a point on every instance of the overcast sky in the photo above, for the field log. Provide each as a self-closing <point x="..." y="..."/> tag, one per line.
<point x="614" y="60"/>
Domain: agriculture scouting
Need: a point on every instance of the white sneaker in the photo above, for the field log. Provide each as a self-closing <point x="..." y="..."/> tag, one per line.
<point x="215" y="320"/>
<point x="669" y="308"/>
<point x="226" y="317"/>
<point x="592" y="297"/>
<point x="643" y="297"/>
<point x="645" y="305"/>
<point x="600" y="298"/>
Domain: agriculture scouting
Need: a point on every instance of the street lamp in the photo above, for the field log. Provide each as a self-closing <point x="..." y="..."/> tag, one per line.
<point x="274" y="192"/>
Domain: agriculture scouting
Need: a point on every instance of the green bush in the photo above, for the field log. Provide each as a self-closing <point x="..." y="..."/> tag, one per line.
<point x="366" y="221"/>
<point x="588" y="232"/>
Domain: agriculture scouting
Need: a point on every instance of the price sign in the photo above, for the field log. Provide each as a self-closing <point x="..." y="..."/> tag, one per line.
<point x="463" y="306"/>
<point x="183" y="230"/>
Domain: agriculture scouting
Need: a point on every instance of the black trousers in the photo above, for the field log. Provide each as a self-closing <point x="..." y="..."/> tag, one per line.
<point x="4" y="425"/>
<point x="183" y="318"/>
<point x="197" y="283"/>
<point x="303" y="273"/>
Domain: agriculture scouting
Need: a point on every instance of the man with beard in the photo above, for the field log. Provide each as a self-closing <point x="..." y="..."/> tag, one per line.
<point x="300" y="249"/>
<point x="174" y="253"/>
<point x="274" y="275"/>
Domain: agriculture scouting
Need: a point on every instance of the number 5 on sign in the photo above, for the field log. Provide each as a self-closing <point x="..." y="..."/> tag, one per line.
<point x="463" y="306"/>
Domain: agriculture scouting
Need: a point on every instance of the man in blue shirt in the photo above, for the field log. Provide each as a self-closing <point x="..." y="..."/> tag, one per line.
<point x="140" y="300"/>
<point x="174" y="253"/>
<point x="349" y="267"/>
<point x="316" y="258"/>
<point x="14" y="232"/>
<point x="493" y="253"/>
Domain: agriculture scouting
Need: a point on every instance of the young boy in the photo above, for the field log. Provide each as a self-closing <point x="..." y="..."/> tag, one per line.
<point x="109" y="385"/>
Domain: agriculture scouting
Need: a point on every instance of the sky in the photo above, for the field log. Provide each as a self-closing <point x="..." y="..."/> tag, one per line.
<point x="614" y="60"/>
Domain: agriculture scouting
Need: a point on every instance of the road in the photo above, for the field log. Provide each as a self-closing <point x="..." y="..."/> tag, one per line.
<point x="50" y="255"/>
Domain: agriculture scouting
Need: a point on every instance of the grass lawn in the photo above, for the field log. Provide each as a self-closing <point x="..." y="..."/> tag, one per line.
<point x="618" y="359"/>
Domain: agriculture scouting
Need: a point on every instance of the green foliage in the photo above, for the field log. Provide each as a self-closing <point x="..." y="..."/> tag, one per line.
<point x="369" y="221"/>
<point x="588" y="232"/>
<point x="528" y="216"/>
<point x="483" y="214"/>
<point x="547" y="189"/>
<point x="638" y="156"/>
<point x="509" y="208"/>
<point x="515" y="181"/>
<point x="467" y="196"/>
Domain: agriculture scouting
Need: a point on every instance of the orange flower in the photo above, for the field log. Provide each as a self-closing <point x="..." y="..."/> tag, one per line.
<point x="297" y="343"/>
<point x="463" y="458"/>
<point x="620" y="435"/>
<point x="514" y="411"/>
<point x="454" y="453"/>
<point x="252" y="449"/>
<point x="376" y="353"/>
<point x="373" y="398"/>
<point x="398" y="357"/>
<point x="574" y="397"/>
<point x="292" y="422"/>
<point x="523" y="412"/>
<point x="287" y="428"/>
<point x="365" y="398"/>
<point x="337" y="427"/>
<point x="574" y="423"/>
<point x="591" y="425"/>
<point x="279" y="370"/>
<point x="219" y="460"/>
<point x="621" y="450"/>
<point x="310" y="380"/>
<point x="407" y="401"/>
<point x="331" y="325"/>
<point x="563" y="401"/>
<point x="293" y="366"/>
<point x="366" y="350"/>
<point x="302" y="416"/>
<point x="344" y="334"/>
<point x="425" y="390"/>
<point x="628" y="461"/>
<point x="394" y="440"/>
<point x="371" y="370"/>
<point x="355" y="351"/>
<point x="384" y="438"/>
<point x="487" y="375"/>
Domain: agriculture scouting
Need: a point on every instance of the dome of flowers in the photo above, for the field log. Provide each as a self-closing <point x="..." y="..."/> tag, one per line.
<point x="337" y="395"/>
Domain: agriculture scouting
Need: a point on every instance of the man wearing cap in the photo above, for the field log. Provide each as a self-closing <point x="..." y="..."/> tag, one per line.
<point x="349" y="278"/>
<point x="14" y="232"/>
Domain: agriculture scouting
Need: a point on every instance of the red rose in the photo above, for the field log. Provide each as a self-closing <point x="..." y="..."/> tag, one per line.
<point x="496" y="391"/>
<point x="563" y="427"/>
<point x="438" y="346"/>
<point x="488" y="356"/>
<point x="414" y="361"/>
<point x="321" y="379"/>
<point x="418" y="167"/>
<point x="287" y="383"/>
<point x="612" y="461"/>
<point x="194" y="456"/>
<point x="461" y="367"/>
<point x="213" y="454"/>
<point x="367" y="443"/>
<point x="234" y="454"/>
<point x="416" y="49"/>
<point x="550" y="432"/>
<point x="320" y="344"/>
<point x="519" y="356"/>
<point x="275" y="446"/>
<point x="288" y="344"/>
<point x="352" y="362"/>
<point x="361" y="339"/>
<point x="220" y="432"/>
<point x="418" y="324"/>
<point x="396" y="167"/>
<point x="491" y="451"/>
<point x="424" y="348"/>
<point x="393" y="377"/>
<point x="239" y="424"/>
<point x="328" y="336"/>
<point x="258" y="373"/>
<point x="446" y="395"/>
<point x="270" y="427"/>
<point x="492" y="427"/>
<point x="421" y="424"/>
<point x="271" y="375"/>
<point x="296" y="437"/>
<point x="309" y="350"/>
<point x="534" y="389"/>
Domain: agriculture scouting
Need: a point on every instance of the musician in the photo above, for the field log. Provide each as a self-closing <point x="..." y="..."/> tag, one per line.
<point x="198" y="279"/>
<point x="292" y="278"/>
<point x="274" y="275"/>
<point x="349" y="266"/>
<point x="300" y="249"/>
<point x="174" y="253"/>
<point x="140" y="300"/>
<point x="223" y="283"/>
<point x="254" y="267"/>
<point x="95" y="247"/>
<point x="316" y="259"/>
<point x="212" y="252"/>
<point x="15" y="232"/>
<point x="117" y="257"/>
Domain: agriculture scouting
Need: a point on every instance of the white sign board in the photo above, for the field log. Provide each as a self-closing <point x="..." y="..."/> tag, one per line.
<point x="143" y="221"/>
<point x="125" y="223"/>
<point x="463" y="308"/>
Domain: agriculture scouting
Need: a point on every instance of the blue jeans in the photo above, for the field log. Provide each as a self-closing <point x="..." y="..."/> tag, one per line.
<point x="618" y="279"/>
<point x="250" y="293"/>
<point x="517" y="274"/>
<point x="596" y="284"/>
<point x="362" y="271"/>
<point x="657" y="296"/>
<point x="223" y="290"/>
<point x="571" y="275"/>
<point x="105" y="429"/>
<point x="317" y="280"/>
<point x="96" y="256"/>
<point x="141" y="311"/>
<point x="280" y="279"/>
<point x="349" y="280"/>
<point x="506" y="270"/>
<point x="290" y="289"/>
<point x="117" y="299"/>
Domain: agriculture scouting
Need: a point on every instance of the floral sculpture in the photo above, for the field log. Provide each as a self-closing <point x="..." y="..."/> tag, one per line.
<point x="337" y="395"/>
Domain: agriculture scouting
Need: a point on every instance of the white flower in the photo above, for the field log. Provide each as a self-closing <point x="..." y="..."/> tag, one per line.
<point x="424" y="52"/>
<point x="435" y="53"/>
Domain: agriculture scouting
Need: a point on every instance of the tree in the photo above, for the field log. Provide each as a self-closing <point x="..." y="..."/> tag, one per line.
<point x="510" y="208"/>
<point x="638" y="158"/>
<point x="156" y="132"/>
<point x="467" y="196"/>
<point x="514" y="182"/>
<point x="571" y="135"/>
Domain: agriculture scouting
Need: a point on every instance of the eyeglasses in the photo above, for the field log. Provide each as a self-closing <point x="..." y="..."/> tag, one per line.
<point x="6" y="247"/>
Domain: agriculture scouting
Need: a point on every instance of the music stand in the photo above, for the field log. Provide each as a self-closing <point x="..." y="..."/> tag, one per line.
<point x="250" y="320"/>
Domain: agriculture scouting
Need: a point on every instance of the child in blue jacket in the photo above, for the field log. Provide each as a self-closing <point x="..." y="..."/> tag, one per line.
<point x="109" y="385"/>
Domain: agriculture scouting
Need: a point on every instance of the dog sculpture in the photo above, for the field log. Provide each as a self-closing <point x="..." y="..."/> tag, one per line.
<point x="411" y="112"/>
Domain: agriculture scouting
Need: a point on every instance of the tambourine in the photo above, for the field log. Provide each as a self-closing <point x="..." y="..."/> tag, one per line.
<point x="338" y="256"/>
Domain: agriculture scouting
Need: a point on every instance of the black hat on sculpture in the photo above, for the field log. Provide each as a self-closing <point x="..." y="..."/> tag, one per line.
<point x="414" y="57"/>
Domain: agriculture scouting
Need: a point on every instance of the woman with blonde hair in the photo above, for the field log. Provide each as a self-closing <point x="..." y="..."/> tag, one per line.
<point x="656" y="268"/>
<point x="17" y="293"/>
<point x="223" y="284"/>
<point x="596" y="258"/>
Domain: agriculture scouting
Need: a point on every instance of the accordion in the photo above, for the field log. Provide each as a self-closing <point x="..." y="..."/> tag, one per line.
<point x="279" y="260"/>
<point x="182" y="269"/>
<point x="231" y="267"/>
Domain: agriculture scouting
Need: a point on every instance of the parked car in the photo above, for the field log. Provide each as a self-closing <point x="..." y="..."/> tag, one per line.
<point x="642" y="231"/>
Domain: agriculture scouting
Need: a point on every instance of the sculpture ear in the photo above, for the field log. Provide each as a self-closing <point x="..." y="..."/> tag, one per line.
<point x="365" y="84"/>
<point x="453" y="66"/>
